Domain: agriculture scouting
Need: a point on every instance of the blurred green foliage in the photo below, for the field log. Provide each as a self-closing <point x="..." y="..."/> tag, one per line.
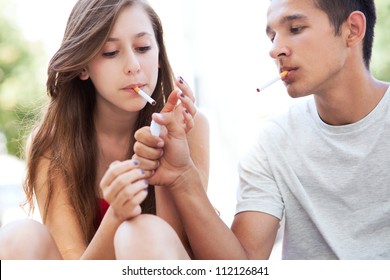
<point x="21" y="81"/>
<point x="380" y="65"/>
<point x="22" y="74"/>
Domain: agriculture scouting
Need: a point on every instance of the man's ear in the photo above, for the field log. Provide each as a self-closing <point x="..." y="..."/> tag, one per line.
<point x="356" y="27"/>
<point x="84" y="75"/>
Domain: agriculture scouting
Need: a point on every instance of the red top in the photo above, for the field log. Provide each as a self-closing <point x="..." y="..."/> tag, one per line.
<point x="104" y="207"/>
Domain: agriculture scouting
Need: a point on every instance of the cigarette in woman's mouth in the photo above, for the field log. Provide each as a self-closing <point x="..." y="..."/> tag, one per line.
<point x="145" y="95"/>
<point x="154" y="127"/>
<point x="281" y="76"/>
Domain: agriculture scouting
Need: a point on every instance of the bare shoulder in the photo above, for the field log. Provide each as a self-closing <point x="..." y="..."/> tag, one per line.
<point x="201" y="122"/>
<point x="200" y="132"/>
<point x="29" y="142"/>
<point x="35" y="141"/>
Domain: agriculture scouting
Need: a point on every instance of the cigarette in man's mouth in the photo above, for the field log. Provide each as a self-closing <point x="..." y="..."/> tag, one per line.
<point x="145" y="96"/>
<point x="281" y="76"/>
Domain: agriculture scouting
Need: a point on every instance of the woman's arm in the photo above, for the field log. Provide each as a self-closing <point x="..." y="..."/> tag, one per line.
<point x="62" y="221"/>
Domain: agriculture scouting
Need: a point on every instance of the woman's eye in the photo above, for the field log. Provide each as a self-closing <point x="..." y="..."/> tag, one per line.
<point x="110" y="54"/>
<point x="144" y="49"/>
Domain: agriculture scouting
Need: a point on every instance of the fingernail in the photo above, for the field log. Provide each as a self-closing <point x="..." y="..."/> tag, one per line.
<point x="186" y="111"/>
<point x="135" y="162"/>
<point x="142" y="172"/>
<point x="182" y="95"/>
<point x="181" y="80"/>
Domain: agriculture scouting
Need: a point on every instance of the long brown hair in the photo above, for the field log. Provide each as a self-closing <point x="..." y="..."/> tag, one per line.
<point x="66" y="134"/>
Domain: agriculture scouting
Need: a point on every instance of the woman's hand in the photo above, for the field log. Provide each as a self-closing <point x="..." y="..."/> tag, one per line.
<point x="185" y="111"/>
<point x="124" y="187"/>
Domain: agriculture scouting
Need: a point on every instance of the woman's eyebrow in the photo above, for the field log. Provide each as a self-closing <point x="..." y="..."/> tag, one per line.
<point x="138" y="35"/>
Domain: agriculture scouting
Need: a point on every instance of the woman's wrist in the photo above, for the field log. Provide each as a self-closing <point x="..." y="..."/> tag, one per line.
<point x="112" y="217"/>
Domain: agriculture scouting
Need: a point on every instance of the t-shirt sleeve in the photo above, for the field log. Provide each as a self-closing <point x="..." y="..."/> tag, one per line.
<point x="258" y="190"/>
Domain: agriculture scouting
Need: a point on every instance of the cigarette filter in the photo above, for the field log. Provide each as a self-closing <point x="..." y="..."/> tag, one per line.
<point x="145" y="96"/>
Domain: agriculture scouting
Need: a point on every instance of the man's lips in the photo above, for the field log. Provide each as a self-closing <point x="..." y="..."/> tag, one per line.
<point x="289" y="70"/>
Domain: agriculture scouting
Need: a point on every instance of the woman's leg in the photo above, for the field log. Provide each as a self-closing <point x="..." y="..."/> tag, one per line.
<point x="148" y="237"/>
<point x="27" y="239"/>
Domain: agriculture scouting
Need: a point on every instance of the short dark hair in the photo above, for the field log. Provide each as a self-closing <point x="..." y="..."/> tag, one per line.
<point x="339" y="10"/>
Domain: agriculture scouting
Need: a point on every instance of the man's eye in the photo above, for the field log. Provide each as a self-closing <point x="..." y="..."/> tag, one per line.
<point x="297" y="29"/>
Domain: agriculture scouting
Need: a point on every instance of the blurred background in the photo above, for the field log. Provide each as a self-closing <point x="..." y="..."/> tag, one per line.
<point x="218" y="46"/>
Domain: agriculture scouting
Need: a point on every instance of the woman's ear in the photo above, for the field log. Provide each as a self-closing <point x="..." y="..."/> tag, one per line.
<point x="356" y="24"/>
<point x="84" y="75"/>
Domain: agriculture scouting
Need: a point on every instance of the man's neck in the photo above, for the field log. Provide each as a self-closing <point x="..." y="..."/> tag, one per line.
<point x="349" y="102"/>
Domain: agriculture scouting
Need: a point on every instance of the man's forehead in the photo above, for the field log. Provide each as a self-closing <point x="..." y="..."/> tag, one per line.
<point x="287" y="10"/>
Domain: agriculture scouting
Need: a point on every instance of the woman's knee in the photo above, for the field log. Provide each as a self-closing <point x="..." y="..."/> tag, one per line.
<point x="27" y="239"/>
<point x="147" y="237"/>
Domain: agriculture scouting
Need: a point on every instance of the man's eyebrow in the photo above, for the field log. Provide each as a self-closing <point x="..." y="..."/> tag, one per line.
<point x="285" y="19"/>
<point x="293" y="17"/>
<point x="268" y="30"/>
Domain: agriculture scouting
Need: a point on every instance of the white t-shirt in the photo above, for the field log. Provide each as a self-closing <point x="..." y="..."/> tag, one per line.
<point x="332" y="183"/>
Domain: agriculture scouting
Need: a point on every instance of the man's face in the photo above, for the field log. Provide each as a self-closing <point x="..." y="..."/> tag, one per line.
<point x="305" y="44"/>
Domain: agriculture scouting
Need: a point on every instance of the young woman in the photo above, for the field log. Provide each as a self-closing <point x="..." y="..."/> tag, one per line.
<point x="93" y="197"/>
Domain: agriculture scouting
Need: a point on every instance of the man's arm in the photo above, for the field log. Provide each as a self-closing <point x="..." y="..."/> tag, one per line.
<point x="210" y="238"/>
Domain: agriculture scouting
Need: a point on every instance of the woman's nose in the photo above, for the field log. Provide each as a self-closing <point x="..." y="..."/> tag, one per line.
<point x="132" y="63"/>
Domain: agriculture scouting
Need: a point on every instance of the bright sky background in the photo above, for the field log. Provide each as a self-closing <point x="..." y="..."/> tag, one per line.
<point x="220" y="48"/>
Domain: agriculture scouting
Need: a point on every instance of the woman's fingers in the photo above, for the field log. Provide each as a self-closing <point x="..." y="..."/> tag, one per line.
<point x="188" y="120"/>
<point x="188" y="104"/>
<point x="115" y="169"/>
<point x="127" y="203"/>
<point x="185" y="88"/>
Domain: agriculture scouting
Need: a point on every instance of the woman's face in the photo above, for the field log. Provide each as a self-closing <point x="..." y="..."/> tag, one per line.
<point x="129" y="59"/>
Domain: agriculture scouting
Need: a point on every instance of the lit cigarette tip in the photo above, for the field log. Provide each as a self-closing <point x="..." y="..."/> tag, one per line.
<point x="145" y="96"/>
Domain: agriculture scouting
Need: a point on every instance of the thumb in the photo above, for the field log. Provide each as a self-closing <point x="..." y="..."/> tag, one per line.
<point x="170" y="122"/>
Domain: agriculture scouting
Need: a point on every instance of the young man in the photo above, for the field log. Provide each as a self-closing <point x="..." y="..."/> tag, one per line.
<point x="324" y="164"/>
